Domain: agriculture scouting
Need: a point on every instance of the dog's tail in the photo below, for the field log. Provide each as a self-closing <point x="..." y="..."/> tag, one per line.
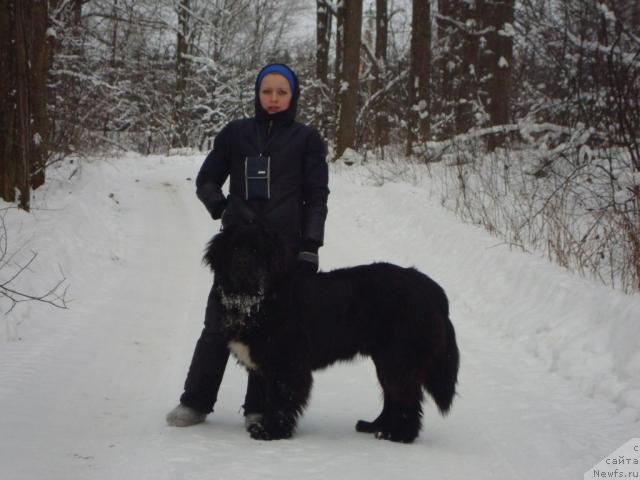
<point x="441" y="380"/>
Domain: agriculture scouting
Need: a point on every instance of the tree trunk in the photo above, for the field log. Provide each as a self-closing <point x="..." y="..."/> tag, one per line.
<point x="456" y="65"/>
<point x="40" y="59"/>
<point x="381" y="125"/>
<point x="114" y="34"/>
<point x="323" y="38"/>
<point x="339" y="50"/>
<point x="23" y="131"/>
<point x="628" y="12"/>
<point x="496" y="58"/>
<point x="24" y="60"/>
<point x="466" y="95"/>
<point x="348" y="89"/>
<point x="419" y="74"/>
<point x="180" y="138"/>
<point x="442" y="107"/>
<point x="261" y="10"/>
<point x="7" y="101"/>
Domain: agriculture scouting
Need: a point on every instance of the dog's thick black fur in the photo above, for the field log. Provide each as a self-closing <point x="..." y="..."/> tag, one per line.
<point x="284" y="326"/>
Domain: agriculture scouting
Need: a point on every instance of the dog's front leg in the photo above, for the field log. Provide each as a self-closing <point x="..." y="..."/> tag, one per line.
<point x="286" y="396"/>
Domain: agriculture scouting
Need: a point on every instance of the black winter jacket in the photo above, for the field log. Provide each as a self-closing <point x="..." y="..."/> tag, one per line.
<point x="297" y="206"/>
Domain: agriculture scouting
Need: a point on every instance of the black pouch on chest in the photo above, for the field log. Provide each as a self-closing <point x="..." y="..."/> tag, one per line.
<point x="257" y="174"/>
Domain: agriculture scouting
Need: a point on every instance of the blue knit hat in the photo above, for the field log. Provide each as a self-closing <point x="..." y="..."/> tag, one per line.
<point x="288" y="115"/>
<point x="281" y="70"/>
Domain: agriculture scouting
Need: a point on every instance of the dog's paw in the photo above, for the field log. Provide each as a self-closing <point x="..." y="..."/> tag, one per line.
<point x="269" y="429"/>
<point x="397" y="436"/>
<point x="252" y="419"/>
<point x="258" y="432"/>
<point x="367" y="427"/>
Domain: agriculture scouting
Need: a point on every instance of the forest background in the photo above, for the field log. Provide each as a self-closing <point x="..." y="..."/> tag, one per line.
<point x="526" y="113"/>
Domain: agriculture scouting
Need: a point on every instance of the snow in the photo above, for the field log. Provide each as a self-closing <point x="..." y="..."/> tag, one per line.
<point x="550" y="366"/>
<point x="629" y="179"/>
<point x="351" y="157"/>
<point x="608" y="14"/>
<point x="507" y="30"/>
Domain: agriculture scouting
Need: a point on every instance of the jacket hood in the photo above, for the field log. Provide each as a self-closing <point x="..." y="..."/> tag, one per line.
<point x="286" y="116"/>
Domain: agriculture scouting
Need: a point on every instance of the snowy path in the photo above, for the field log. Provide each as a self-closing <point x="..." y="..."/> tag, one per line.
<point x="90" y="402"/>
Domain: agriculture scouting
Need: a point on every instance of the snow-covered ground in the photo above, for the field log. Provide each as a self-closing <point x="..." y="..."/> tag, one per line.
<point x="550" y="373"/>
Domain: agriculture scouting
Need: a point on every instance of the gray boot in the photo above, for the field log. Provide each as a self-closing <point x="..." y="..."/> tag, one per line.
<point x="183" y="416"/>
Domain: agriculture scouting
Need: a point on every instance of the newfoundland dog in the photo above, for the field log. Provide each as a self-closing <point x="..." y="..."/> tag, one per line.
<point x="284" y="325"/>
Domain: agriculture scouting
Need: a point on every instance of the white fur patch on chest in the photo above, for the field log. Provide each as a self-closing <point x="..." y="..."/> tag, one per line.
<point x="242" y="353"/>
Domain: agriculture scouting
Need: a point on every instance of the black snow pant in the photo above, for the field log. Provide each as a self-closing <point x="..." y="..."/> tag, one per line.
<point x="208" y="364"/>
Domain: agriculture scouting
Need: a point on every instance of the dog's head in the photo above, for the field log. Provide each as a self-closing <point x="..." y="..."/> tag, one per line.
<point x="248" y="259"/>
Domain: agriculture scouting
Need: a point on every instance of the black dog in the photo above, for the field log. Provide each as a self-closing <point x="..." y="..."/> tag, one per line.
<point x="284" y="326"/>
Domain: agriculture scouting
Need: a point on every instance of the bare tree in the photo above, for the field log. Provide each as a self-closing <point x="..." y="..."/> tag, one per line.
<point x="180" y="137"/>
<point x="381" y="125"/>
<point x="419" y="74"/>
<point x="495" y="21"/>
<point x="457" y="51"/>
<point x="629" y="13"/>
<point x="114" y="32"/>
<point x="24" y="62"/>
<point x="323" y="39"/>
<point x="339" y="48"/>
<point x="348" y="86"/>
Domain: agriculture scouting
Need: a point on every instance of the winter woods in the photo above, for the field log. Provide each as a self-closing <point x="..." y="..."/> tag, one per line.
<point x="526" y="112"/>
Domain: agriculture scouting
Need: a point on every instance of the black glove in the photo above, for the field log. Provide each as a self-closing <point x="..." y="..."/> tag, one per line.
<point x="219" y="209"/>
<point x="212" y="198"/>
<point x="307" y="263"/>
<point x="308" y="258"/>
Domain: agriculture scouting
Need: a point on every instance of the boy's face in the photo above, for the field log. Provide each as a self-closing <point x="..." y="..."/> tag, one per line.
<point x="275" y="93"/>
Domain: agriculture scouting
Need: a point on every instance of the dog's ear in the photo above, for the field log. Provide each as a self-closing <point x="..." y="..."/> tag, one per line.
<point x="214" y="252"/>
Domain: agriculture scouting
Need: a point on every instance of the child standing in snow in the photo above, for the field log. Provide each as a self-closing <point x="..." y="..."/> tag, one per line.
<point x="288" y="190"/>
